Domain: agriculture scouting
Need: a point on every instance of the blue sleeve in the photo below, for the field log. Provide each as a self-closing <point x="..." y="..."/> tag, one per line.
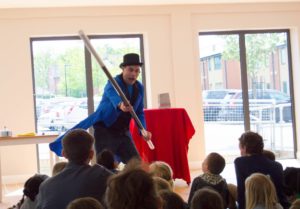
<point x="112" y="94"/>
<point x="56" y="146"/>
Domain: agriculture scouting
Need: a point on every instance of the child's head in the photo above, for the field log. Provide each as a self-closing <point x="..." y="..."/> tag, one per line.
<point x="161" y="184"/>
<point x="260" y="190"/>
<point x="85" y="203"/>
<point x="106" y="159"/>
<point x="58" y="167"/>
<point x="31" y="186"/>
<point x="269" y="154"/>
<point x="207" y="198"/>
<point x="214" y="163"/>
<point x="171" y="200"/>
<point x="131" y="188"/>
<point x="162" y="170"/>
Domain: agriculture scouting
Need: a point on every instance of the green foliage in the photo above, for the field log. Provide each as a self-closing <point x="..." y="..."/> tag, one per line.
<point x="259" y="47"/>
<point x="43" y="63"/>
<point x="62" y="73"/>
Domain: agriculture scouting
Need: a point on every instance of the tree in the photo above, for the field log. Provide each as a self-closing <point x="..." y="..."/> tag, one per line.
<point x="259" y="48"/>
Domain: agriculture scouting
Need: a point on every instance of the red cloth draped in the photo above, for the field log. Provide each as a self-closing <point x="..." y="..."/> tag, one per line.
<point x="171" y="131"/>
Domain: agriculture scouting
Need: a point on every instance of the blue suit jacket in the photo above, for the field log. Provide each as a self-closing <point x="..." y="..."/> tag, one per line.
<point x="246" y="165"/>
<point x="73" y="182"/>
<point x="107" y="111"/>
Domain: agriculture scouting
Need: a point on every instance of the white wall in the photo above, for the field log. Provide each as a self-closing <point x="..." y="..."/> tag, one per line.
<point x="171" y="52"/>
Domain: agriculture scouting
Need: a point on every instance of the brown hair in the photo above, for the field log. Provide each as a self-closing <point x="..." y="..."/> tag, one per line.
<point x="252" y="142"/>
<point x="269" y="154"/>
<point x="131" y="189"/>
<point x="171" y="200"/>
<point x="215" y="163"/>
<point x="77" y="145"/>
<point x="106" y="159"/>
<point x="207" y="198"/>
<point x="85" y="203"/>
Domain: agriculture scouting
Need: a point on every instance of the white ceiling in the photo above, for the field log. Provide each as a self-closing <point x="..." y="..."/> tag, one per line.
<point x="76" y="3"/>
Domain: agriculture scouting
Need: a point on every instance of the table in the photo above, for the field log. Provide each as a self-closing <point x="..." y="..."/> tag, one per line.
<point x="22" y="140"/>
<point x="171" y="130"/>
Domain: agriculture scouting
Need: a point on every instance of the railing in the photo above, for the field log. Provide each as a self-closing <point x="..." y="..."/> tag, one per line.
<point x="261" y="111"/>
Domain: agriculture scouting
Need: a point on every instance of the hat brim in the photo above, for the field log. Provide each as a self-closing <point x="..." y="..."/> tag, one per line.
<point x="127" y="64"/>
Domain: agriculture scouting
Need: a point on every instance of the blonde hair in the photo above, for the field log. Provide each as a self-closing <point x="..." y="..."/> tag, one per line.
<point x="260" y="190"/>
<point x="163" y="170"/>
<point x="161" y="184"/>
<point x="295" y="204"/>
<point x="58" y="167"/>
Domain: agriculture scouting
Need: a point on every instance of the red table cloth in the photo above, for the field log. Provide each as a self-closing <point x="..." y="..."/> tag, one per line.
<point x="171" y="131"/>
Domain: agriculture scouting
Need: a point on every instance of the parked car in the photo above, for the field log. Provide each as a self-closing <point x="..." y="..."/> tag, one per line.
<point x="264" y="105"/>
<point x="213" y="101"/>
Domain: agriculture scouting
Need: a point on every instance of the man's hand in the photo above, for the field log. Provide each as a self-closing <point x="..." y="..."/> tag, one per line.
<point x="125" y="108"/>
<point x="147" y="135"/>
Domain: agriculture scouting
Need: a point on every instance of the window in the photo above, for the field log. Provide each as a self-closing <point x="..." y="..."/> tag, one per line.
<point x="68" y="83"/>
<point x="217" y="62"/>
<point x="260" y="89"/>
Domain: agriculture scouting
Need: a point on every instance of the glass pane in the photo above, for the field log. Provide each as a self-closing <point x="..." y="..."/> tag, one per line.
<point x="221" y="82"/>
<point x="111" y="51"/>
<point x="60" y="86"/>
<point x="269" y="91"/>
<point x="60" y="89"/>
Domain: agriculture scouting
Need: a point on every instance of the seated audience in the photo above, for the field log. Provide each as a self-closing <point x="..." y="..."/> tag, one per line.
<point x="132" y="188"/>
<point x="171" y="200"/>
<point x="162" y="170"/>
<point x="85" y="203"/>
<point x="252" y="161"/>
<point x="212" y="166"/>
<point x="260" y="192"/>
<point x="78" y="178"/>
<point x="106" y="159"/>
<point x="207" y="198"/>
<point x="58" y="167"/>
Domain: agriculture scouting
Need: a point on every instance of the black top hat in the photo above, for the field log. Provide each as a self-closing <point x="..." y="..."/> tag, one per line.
<point x="131" y="59"/>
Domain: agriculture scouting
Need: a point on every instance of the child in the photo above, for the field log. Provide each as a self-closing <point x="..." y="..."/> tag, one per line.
<point x="212" y="166"/>
<point x="163" y="170"/>
<point x="206" y="198"/>
<point x="30" y="191"/>
<point x="106" y="159"/>
<point x="171" y="200"/>
<point x="260" y="192"/>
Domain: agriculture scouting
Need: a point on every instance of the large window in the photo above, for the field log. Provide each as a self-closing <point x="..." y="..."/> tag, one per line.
<point x="255" y="82"/>
<point x="68" y="83"/>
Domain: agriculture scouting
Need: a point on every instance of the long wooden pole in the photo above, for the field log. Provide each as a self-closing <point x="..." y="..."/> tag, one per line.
<point x="91" y="49"/>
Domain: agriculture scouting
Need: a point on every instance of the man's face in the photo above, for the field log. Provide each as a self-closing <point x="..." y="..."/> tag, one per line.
<point x="131" y="73"/>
